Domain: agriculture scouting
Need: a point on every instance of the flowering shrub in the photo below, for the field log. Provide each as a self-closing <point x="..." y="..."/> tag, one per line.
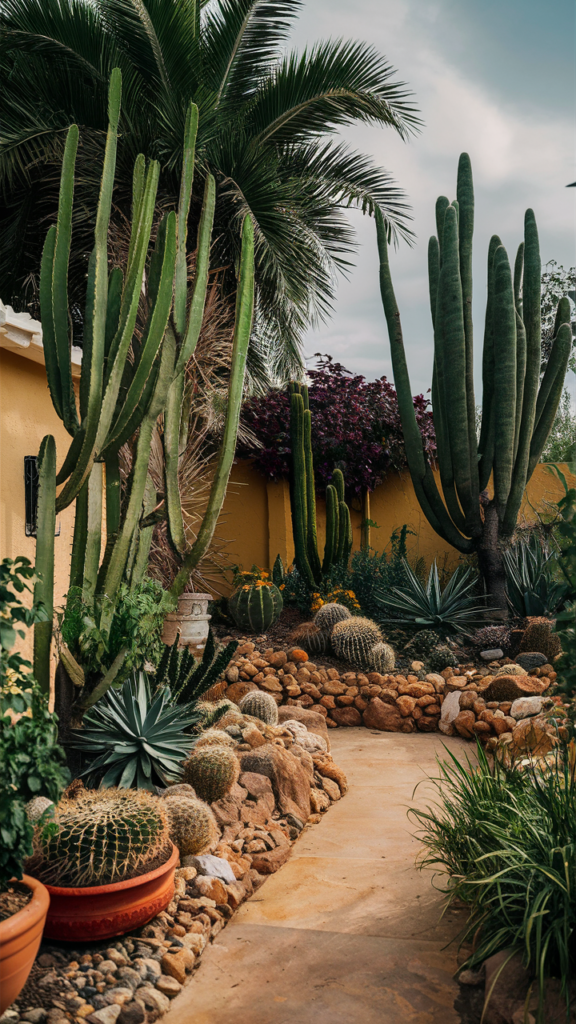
<point x="356" y="426"/>
<point x="345" y="597"/>
<point x="254" y="577"/>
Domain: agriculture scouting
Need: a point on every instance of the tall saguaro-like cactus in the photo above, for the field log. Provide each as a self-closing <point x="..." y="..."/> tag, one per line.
<point x="303" y="499"/>
<point x="517" y="413"/>
<point x="128" y="380"/>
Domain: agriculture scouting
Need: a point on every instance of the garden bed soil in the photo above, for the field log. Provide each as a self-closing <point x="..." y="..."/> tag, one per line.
<point x="14" y="899"/>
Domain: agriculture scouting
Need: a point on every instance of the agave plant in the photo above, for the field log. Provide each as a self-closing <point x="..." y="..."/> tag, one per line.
<point x="188" y="678"/>
<point x="134" y="739"/>
<point x="529" y="584"/>
<point x="452" y="610"/>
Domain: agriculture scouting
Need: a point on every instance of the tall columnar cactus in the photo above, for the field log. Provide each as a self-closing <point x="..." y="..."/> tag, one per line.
<point x="212" y="771"/>
<point x="303" y="499"/>
<point x="128" y="381"/>
<point x="102" y="836"/>
<point x="517" y="413"/>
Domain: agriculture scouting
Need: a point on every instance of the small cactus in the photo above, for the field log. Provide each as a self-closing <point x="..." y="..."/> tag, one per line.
<point x="103" y="836"/>
<point x="382" y="658"/>
<point x="214" y="738"/>
<point x="538" y="636"/>
<point x="354" y="639"/>
<point x="421" y="644"/>
<point x="212" y="771"/>
<point x="329" y="614"/>
<point x="193" y="827"/>
<point x="311" y="638"/>
<point x="36" y="808"/>
<point x="260" y="705"/>
<point x="255" y="608"/>
<point x="491" y="638"/>
<point x="441" y="657"/>
<point x="510" y="670"/>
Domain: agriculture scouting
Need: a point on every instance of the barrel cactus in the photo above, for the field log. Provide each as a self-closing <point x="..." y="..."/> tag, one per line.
<point x="491" y="638"/>
<point x="311" y="638"/>
<point x="255" y="607"/>
<point x="102" y="836"/>
<point x="511" y="670"/>
<point x="424" y="642"/>
<point x="382" y="658"/>
<point x="212" y="771"/>
<point x="214" y="738"/>
<point x="354" y="639"/>
<point x="193" y="827"/>
<point x="329" y="614"/>
<point x="37" y="807"/>
<point x="260" y="705"/>
<point x="539" y="636"/>
<point x="441" y="657"/>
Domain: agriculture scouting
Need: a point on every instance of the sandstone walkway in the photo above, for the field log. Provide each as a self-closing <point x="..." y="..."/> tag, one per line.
<point x="347" y="931"/>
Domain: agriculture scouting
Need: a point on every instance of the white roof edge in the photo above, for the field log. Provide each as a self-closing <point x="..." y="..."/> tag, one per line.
<point x="20" y="334"/>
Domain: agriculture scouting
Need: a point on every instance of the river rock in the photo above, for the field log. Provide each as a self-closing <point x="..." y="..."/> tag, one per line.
<point x="524" y="707"/>
<point x="313" y="720"/>
<point x="385" y="717"/>
<point x="531" y="659"/>
<point x="346" y="716"/>
<point x="289" y="779"/>
<point x="494" y="655"/>
<point x="450" y="709"/>
<point x="214" y="867"/>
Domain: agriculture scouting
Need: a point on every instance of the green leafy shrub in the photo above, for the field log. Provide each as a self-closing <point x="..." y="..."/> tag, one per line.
<point x="454" y="609"/>
<point x="505" y="838"/>
<point x="32" y="763"/>
<point x="134" y="739"/>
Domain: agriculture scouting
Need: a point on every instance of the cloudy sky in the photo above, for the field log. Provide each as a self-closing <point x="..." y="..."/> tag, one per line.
<point x="493" y="77"/>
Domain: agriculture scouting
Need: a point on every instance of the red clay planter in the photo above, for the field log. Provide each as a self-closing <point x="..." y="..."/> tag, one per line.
<point x="102" y="911"/>
<point x="20" y="937"/>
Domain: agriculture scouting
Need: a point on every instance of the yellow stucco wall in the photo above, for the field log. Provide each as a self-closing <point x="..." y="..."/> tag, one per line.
<point x="26" y="415"/>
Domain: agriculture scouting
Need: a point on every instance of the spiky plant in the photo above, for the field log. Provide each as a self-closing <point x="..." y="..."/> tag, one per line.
<point x="421" y="644"/>
<point x="441" y="657"/>
<point x="329" y="614"/>
<point x="455" y="609"/>
<point x="212" y="771"/>
<point x="539" y="636"/>
<point x="214" y="738"/>
<point x="511" y="670"/>
<point x="310" y="638"/>
<point x="353" y="639"/>
<point x="193" y="827"/>
<point x="260" y="705"/>
<point x="382" y="658"/>
<point x="101" y="836"/>
<point x="134" y="739"/>
<point x="491" y="638"/>
<point x="255" y="607"/>
<point x="187" y="677"/>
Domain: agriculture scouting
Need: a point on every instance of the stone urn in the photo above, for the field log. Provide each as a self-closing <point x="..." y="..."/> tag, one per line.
<point x="191" y="619"/>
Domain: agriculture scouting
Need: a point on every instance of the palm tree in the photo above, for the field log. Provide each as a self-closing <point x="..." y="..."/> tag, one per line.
<point x="267" y="126"/>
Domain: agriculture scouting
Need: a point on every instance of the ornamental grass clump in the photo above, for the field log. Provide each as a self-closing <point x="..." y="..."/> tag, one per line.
<point x="505" y="838"/>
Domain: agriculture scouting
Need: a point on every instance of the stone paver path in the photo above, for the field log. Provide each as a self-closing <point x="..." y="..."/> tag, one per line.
<point x="348" y="931"/>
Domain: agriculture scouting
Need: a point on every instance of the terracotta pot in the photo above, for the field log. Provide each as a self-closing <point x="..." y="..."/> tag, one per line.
<point x="192" y="620"/>
<point x="20" y="937"/>
<point x="102" y="911"/>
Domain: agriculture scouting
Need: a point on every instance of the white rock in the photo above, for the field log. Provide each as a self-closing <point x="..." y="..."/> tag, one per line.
<point x="107" y="1015"/>
<point x="450" y="708"/>
<point x="118" y="995"/>
<point x="494" y="655"/>
<point x="214" y="867"/>
<point x="525" y="707"/>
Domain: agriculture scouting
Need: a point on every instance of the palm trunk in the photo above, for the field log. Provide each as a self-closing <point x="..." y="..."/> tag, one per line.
<point x="491" y="563"/>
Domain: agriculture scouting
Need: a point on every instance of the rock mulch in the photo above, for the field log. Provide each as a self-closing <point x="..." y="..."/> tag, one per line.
<point x="133" y="979"/>
<point x="494" y="702"/>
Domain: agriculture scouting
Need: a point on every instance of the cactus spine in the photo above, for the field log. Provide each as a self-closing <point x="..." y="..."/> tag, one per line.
<point x="212" y="771"/>
<point x="382" y="658"/>
<point x="120" y="397"/>
<point x="102" y="836"/>
<point x="255" y="608"/>
<point x="260" y="705"/>
<point x="303" y="499"/>
<point x="516" y="414"/>
<point x="329" y="614"/>
<point x="193" y="827"/>
<point x="354" y="639"/>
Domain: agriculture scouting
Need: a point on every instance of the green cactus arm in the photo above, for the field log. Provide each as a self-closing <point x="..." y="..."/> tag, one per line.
<point x="505" y="378"/>
<point x="79" y="537"/>
<point x="562" y="314"/>
<point x="332" y="514"/>
<point x="94" y="370"/>
<point x="144" y="535"/>
<point x="559" y="358"/>
<point x="242" y="331"/>
<point x="339" y="484"/>
<point x="420" y="472"/>
<point x="442" y="204"/>
<point x="465" y="198"/>
<point x="48" y="339"/>
<point x="305" y="396"/>
<point x="433" y="274"/>
<point x="198" y="299"/>
<point x="486" y="442"/>
<point x="160" y="301"/>
<point x="139" y="478"/>
<point x="138" y="186"/>
<point x="138" y="413"/>
<point x="87" y="335"/>
<point x="44" y="587"/>
<point x="518" y="273"/>
<point x="88" y="700"/>
<point x="185" y="414"/>
<point x="344" y="533"/>
<point x="443" y="452"/>
<point x="452" y="357"/>
<point x="93" y="533"/>
<point x="186" y="182"/>
<point x="115" y="288"/>
<point x="554" y="364"/>
<point x="72" y="455"/>
<point x="171" y="444"/>
<point x="113" y="493"/>
<point x="312" y="536"/>
<point x="520" y="376"/>
<point x="60" y="280"/>
<point x="299" y="482"/>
